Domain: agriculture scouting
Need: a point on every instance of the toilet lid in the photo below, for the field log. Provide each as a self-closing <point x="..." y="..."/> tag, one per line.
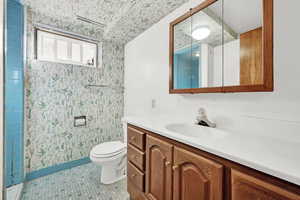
<point x="108" y="149"/>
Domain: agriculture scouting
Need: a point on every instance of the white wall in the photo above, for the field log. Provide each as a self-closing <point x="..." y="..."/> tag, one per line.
<point x="206" y="66"/>
<point x="231" y="64"/>
<point x="147" y="78"/>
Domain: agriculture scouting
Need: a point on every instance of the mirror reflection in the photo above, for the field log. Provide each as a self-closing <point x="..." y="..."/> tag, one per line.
<point x="195" y="64"/>
<point x="220" y="45"/>
<point x="243" y="54"/>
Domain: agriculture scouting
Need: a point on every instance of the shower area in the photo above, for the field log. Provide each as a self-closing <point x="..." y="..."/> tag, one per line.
<point x="54" y="114"/>
<point x="14" y="99"/>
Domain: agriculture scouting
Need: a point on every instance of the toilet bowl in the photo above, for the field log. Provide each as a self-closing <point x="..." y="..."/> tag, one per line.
<point x="111" y="156"/>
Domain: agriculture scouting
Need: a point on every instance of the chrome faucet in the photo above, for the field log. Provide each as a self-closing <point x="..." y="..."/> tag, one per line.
<point x="202" y="119"/>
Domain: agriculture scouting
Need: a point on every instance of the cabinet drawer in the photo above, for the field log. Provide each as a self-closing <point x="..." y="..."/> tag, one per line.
<point x="136" y="177"/>
<point x="247" y="187"/>
<point x="135" y="194"/>
<point x="136" y="156"/>
<point x="136" y="138"/>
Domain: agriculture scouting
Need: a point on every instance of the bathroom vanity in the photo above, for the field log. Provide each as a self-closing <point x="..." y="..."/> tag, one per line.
<point x="161" y="167"/>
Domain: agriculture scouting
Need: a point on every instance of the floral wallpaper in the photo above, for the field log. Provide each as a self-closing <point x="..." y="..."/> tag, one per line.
<point x="56" y="93"/>
<point x="122" y="20"/>
<point x="139" y="17"/>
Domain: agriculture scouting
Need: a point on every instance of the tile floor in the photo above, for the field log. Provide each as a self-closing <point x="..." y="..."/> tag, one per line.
<point x="79" y="183"/>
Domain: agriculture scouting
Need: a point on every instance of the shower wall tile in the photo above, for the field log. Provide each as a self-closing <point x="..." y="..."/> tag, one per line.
<point x="56" y="93"/>
<point x="14" y="94"/>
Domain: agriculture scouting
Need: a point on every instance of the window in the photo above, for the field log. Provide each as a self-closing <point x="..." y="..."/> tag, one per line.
<point x="62" y="49"/>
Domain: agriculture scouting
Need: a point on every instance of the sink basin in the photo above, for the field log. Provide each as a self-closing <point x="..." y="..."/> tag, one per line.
<point x="196" y="131"/>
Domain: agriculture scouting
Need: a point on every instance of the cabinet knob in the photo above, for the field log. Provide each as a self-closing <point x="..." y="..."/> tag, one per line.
<point x="134" y="157"/>
<point x="132" y="138"/>
<point x="175" y="167"/>
<point x="168" y="164"/>
<point x="133" y="175"/>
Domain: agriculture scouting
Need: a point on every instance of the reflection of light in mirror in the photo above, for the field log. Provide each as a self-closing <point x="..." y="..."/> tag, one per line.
<point x="197" y="54"/>
<point x="201" y="33"/>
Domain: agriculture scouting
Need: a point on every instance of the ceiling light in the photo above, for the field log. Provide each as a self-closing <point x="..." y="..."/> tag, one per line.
<point x="201" y="33"/>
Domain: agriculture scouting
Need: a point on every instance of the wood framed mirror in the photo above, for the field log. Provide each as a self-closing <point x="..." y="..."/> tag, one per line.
<point x="222" y="46"/>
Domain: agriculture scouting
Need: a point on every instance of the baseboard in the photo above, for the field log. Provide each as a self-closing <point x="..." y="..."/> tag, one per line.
<point x="56" y="168"/>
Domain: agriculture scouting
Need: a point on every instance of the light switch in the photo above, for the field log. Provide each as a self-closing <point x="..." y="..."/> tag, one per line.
<point x="153" y="103"/>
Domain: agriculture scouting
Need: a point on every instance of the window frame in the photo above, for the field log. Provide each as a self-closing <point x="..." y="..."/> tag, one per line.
<point x="71" y="38"/>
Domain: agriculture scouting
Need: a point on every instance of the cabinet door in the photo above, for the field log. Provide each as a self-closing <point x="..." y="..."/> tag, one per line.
<point x="246" y="187"/>
<point x="196" y="178"/>
<point x="158" y="169"/>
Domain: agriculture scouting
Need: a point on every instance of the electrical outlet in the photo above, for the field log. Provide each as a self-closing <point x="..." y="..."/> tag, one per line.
<point x="153" y="103"/>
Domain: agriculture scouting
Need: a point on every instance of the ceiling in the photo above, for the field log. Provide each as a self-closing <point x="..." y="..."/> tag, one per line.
<point x="123" y="20"/>
<point x="242" y="15"/>
<point x="239" y="17"/>
<point x="183" y="31"/>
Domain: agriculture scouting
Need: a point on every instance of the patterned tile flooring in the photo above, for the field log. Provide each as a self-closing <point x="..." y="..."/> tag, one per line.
<point x="79" y="183"/>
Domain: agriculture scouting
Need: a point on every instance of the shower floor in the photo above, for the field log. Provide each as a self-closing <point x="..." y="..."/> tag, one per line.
<point x="14" y="192"/>
<point x="78" y="183"/>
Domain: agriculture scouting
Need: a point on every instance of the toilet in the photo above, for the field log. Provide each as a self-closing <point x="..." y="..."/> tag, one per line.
<point x="111" y="156"/>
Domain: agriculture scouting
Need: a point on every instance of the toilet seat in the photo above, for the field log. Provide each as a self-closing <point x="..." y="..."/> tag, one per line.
<point x="108" y="149"/>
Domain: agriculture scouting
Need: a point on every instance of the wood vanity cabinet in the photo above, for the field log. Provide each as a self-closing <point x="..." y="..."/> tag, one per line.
<point x="195" y="177"/>
<point x="136" y="163"/>
<point x="158" y="169"/>
<point x="246" y="187"/>
<point x="163" y="169"/>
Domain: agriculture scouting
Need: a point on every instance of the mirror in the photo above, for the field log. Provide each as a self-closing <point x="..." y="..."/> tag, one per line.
<point x="223" y="46"/>
<point x="194" y="62"/>
<point x="244" y="52"/>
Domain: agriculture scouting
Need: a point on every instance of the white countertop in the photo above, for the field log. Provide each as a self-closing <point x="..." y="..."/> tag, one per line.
<point x="273" y="156"/>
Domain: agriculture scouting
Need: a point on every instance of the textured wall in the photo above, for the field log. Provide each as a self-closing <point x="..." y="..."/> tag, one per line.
<point x="55" y="93"/>
<point x="123" y="20"/>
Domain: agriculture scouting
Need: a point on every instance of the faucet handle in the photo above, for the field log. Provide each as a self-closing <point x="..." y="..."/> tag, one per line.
<point x="202" y="117"/>
<point x="202" y="112"/>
